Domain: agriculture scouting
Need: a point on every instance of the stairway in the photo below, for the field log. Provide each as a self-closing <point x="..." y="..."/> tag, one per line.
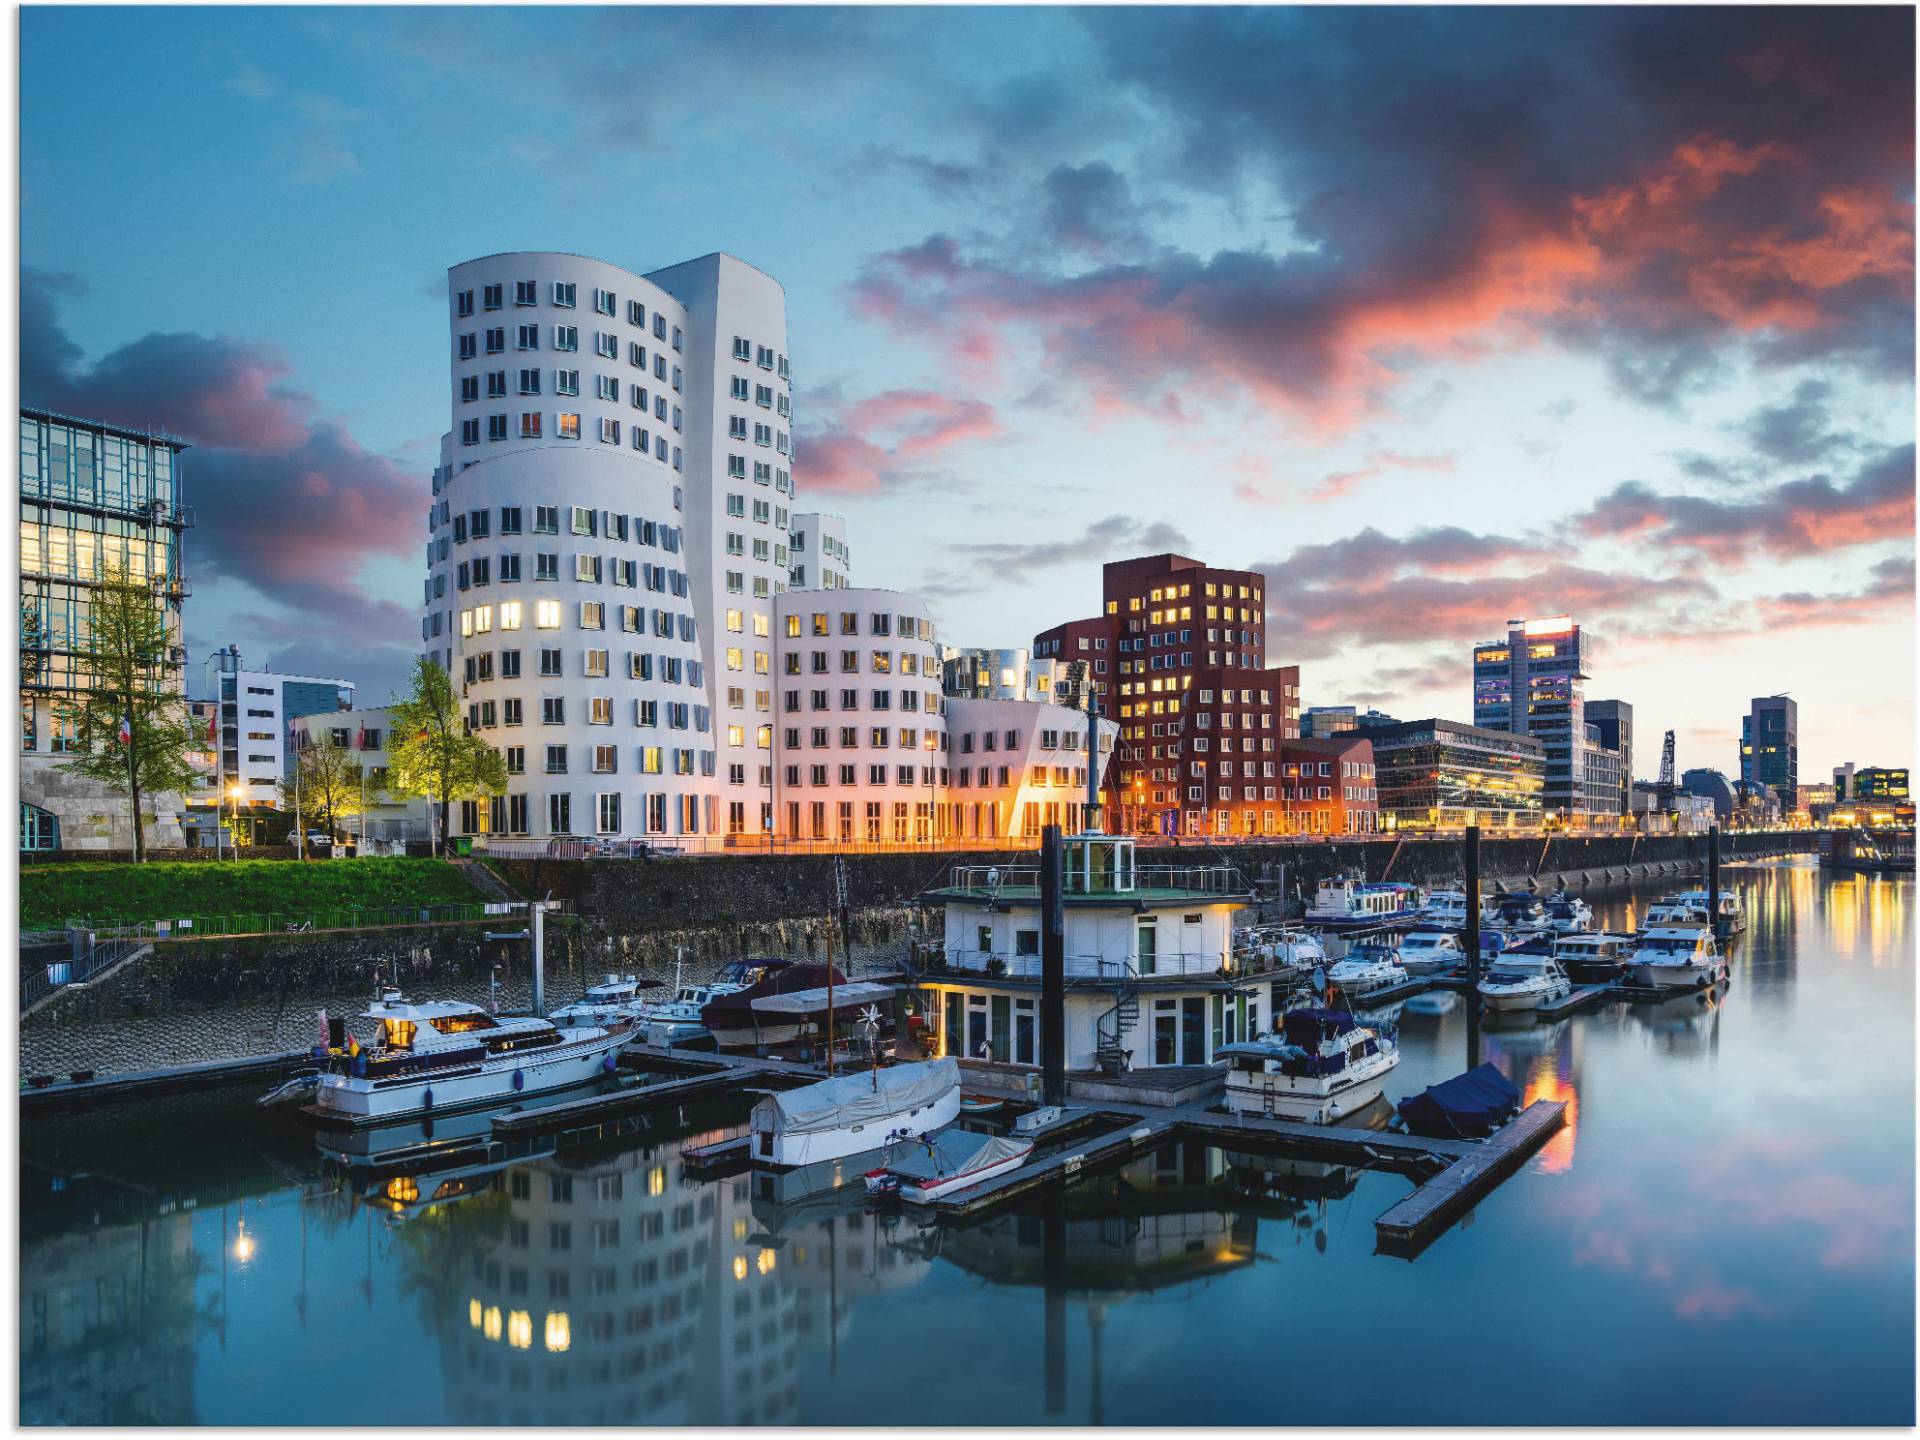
<point x="481" y="878"/>
<point x="1113" y="1026"/>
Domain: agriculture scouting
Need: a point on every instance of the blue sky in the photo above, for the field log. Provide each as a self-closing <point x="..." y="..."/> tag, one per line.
<point x="1438" y="317"/>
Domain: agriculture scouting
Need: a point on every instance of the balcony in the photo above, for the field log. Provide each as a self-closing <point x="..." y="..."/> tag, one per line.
<point x="1020" y="884"/>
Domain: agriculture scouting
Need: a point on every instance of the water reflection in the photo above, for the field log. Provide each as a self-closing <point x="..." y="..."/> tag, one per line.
<point x="196" y="1260"/>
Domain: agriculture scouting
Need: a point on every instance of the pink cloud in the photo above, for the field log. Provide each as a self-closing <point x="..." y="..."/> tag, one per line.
<point x="879" y="440"/>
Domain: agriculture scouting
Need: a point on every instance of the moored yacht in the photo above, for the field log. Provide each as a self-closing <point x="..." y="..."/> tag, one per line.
<point x="937" y="1165"/>
<point x="1517" y="910"/>
<point x="1321" y="1066"/>
<point x="1281" y="949"/>
<point x="1524" y="982"/>
<point x="1593" y="957"/>
<point x="1678" y="957"/>
<point x="850" y="1114"/>
<point x="1429" y="952"/>
<point x="675" y="1021"/>
<point x="445" y="1054"/>
<point x="1691" y="907"/>
<point x="1368" y="968"/>
<point x="1447" y="907"/>
<point x="614" y="997"/>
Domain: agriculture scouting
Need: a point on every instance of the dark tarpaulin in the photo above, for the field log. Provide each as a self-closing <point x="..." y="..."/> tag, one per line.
<point x="1469" y="1104"/>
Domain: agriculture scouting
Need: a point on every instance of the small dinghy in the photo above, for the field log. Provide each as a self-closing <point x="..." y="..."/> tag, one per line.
<point x="980" y="1104"/>
<point x="1466" y="1107"/>
<point x="940" y="1164"/>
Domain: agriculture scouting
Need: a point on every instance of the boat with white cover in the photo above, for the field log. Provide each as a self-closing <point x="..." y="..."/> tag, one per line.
<point x="849" y="1114"/>
<point x="1678" y="957"/>
<point x="1429" y="952"/>
<point x="1518" y="911"/>
<point x="442" y="1054"/>
<point x="1368" y="968"/>
<point x="937" y="1165"/>
<point x="1522" y="981"/>
<point x="1320" y="1066"/>
<point x="1447" y="907"/>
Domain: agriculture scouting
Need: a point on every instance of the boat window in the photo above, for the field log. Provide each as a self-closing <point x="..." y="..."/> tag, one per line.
<point x="399" y="1034"/>
<point x="460" y="1024"/>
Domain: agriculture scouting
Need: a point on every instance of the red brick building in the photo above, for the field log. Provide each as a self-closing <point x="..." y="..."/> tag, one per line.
<point x="1167" y="621"/>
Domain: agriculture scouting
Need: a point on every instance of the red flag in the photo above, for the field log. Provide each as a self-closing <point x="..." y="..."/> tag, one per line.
<point x="126" y="731"/>
<point x="423" y="732"/>
<point x="213" y="720"/>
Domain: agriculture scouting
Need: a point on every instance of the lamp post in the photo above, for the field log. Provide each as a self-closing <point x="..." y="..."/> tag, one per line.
<point x="233" y="793"/>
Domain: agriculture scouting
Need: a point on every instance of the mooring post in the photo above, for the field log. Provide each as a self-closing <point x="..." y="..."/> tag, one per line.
<point x="1472" y="846"/>
<point x="1053" y="972"/>
<point x="1713" y="881"/>
<point x="537" y="911"/>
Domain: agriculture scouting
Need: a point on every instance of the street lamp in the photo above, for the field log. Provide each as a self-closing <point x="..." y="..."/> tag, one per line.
<point x="234" y="792"/>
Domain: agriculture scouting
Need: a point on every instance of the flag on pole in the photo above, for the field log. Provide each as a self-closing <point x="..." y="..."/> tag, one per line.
<point x="126" y="731"/>
<point x="213" y="721"/>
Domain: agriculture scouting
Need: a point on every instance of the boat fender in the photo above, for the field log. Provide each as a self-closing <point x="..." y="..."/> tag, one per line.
<point x="608" y="1062"/>
<point x="426" y="1098"/>
<point x="519" y="1080"/>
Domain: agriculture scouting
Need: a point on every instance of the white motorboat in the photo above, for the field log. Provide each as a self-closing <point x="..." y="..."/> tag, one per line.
<point x="1678" y="957"/>
<point x="445" y="1054"/>
<point x="937" y="1165"/>
<point x="1346" y="901"/>
<point x="1429" y="952"/>
<point x="676" y="1020"/>
<point x="1321" y="1066"/>
<point x="615" y="997"/>
<point x="1690" y="907"/>
<point x="1283" y="948"/>
<point x="853" y="1113"/>
<point x="1566" y="914"/>
<point x="1367" y="969"/>
<point x="1447" y="907"/>
<point x="1524" y="982"/>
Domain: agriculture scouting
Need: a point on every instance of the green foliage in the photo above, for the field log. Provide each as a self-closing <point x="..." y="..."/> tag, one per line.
<point x="430" y="753"/>
<point x="129" y="894"/>
<point x="329" y="788"/>
<point x="125" y="660"/>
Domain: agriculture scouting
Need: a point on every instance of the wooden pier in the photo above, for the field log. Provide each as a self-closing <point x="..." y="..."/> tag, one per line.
<point x="1408" y="1227"/>
<point x="68" y="1094"/>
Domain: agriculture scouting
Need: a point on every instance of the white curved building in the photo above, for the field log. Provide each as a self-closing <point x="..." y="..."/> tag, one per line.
<point x="607" y="536"/>
<point x="862" y="730"/>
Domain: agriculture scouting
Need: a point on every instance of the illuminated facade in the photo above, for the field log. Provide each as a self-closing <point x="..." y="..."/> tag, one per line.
<point x="1770" y="746"/>
<point x="1168" y="622"/>
<point x="1534" y="683"/>
<point x="92" y="495"/>
<point x="1441" y="775"/>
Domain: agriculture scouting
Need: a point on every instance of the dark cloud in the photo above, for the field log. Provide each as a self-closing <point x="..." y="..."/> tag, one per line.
<point x="287" y="502"/>
<point x="1002" y="562"/>
<point x="1091" y="210"/>
<point x="1799" y="431"/>
<point x="1452" y="177"/>
<point x="1791" y="518"/>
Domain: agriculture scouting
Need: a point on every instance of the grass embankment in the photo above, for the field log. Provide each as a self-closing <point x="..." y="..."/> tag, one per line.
<point x="130" y="894"/>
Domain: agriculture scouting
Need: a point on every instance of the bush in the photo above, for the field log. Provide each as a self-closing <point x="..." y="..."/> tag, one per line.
<point x="113" y="894"/>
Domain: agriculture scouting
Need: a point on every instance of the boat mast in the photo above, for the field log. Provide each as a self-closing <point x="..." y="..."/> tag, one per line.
<point x="829" y="999"/>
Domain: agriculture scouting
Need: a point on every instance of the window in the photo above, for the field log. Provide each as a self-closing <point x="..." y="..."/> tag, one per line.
<point x="530" y="424"/>
<point x="607" y="820"/>
<point x="546" y="614"/>
<point x="609" y="432"/>
<point x="526" y="292"/>
<point x="527" y="337"/>
<point x="567" y="426"/>
<point x="490" y="297"/>
<point x="565" y="382"/>
<point x="565" y="337"/>
<point x="563" y="293"/>
<point x="469" y="389"/>
<point x="603" y="301"/>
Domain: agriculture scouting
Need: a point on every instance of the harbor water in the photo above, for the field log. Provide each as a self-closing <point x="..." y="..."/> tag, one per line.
<point x="1722" y="1233"/>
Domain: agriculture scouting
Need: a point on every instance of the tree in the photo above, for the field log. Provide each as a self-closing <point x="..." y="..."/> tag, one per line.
<point x="329" y="784"/>
<point x="431" y="754"/>
<point x="132" y="731"/>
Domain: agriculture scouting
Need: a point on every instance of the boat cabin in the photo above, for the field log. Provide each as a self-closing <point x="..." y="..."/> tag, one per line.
<point x="1152" y="978"/>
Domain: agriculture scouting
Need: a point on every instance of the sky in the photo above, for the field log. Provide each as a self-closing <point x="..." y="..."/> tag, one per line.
<point x="1436" y="317"/>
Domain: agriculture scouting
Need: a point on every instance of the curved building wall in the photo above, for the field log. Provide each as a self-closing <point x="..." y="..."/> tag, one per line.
<point x="592" y="538"/>
<point x="862" y="733"/>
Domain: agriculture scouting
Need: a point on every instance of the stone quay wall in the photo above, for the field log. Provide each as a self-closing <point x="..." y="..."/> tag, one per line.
<point x="217" y="999"/>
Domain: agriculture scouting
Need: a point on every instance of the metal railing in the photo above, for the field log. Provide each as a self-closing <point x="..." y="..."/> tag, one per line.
<point x="277" y="922"/>
<point x="1208" y="879"/>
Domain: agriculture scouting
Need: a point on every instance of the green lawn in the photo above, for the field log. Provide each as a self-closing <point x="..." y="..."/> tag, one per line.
<point x="126" y="894"/>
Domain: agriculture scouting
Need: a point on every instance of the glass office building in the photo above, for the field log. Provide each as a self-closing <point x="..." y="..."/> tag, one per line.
<point x="1443" y="775"/>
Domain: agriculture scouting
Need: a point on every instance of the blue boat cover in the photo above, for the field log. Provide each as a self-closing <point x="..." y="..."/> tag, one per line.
<point x="1469" y="1104"/>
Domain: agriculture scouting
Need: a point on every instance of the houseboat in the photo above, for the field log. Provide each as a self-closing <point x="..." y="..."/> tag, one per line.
<point x="1152" y="979"/>
<point x="1320" y="1066"/>
<point x="855" y="1113"/>
<point x="446" y="1054"/>
<point x="1346" y="902"/>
